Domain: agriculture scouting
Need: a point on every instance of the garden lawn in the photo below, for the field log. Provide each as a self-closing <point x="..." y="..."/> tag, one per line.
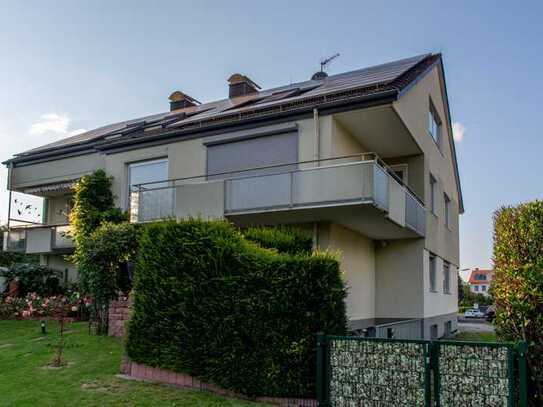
<point x="88" y="379"/>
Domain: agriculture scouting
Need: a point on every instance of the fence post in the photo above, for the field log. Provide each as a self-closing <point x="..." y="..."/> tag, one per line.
<point x="321" y="369"/>
<point x="523" y="374"/>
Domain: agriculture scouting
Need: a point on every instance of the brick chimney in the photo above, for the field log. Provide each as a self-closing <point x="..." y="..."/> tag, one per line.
<point x="179" y="100"/>
<point x="241" y="85"/>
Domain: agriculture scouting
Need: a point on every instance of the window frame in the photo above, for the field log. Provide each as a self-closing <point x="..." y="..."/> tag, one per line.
<point x="138" y="163"/>
<point x="432" y="273"/>
<point x="434" y="118"/>
<point x="433" y="195"/>
<point x="447" y="210"/>
<point x="446" y="277"/>
<point x="403" y="168"/>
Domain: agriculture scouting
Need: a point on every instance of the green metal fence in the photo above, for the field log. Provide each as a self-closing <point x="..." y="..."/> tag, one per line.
<point x="375" y="372"/>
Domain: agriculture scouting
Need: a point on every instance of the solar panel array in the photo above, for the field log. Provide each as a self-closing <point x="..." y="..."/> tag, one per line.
<point x="381" y="74"/>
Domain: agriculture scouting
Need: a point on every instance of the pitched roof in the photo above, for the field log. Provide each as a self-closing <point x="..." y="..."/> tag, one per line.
<point x="375" y="80"/>
<point x="479" y="276"/>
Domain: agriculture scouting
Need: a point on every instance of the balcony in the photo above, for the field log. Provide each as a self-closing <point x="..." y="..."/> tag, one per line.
<point x="39" y="239"/>
<point x="358" y="192"/>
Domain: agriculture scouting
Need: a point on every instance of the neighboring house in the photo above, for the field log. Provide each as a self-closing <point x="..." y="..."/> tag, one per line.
<point x="364" y="160"/>
<point x="479" y="281"/>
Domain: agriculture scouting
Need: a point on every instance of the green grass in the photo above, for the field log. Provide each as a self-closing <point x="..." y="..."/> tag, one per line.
<point x="88" y="379"/>
<point x="476" y="336"/>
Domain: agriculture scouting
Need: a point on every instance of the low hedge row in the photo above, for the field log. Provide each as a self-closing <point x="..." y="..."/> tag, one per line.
<point x="283" y="238"/>
<point x="210" y="303"/>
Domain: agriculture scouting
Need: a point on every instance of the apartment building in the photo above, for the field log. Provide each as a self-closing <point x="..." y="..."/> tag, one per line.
<point x="364" y="160"/>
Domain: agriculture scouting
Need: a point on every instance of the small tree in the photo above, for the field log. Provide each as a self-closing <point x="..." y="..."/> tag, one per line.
<point x="97" y="254"/>
<point x="518" y="283"/>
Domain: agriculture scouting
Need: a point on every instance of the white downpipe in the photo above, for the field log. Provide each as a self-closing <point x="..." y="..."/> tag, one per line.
<point x="317" y="144"/>
<point x="316" y="156"/>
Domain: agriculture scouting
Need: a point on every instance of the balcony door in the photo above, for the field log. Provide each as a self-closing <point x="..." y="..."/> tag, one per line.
<point x="155" y="199"/>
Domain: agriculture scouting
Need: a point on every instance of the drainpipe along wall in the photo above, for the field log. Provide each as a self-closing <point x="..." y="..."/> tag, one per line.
<point x="316" y="155"/>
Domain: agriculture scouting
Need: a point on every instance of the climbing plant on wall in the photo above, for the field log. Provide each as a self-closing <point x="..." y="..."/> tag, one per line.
<point x="101" y="247"/>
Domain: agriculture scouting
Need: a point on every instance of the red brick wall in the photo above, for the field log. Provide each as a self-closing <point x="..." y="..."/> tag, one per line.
<point x="154" y="374"/>
<point x="119" y="313"/>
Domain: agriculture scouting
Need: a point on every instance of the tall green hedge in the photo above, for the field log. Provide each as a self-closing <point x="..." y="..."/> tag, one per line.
<point x="518" y="283"/>
<point x="283" y="238"/>
<point x="212" y="304"/>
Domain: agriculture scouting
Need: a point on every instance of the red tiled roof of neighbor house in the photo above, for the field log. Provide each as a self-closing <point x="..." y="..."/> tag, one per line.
<point x="479" y="276"/>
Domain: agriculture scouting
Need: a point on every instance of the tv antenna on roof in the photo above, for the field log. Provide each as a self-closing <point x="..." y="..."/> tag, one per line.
<point x="324" y="64"/>
<point x="327" y="61"/>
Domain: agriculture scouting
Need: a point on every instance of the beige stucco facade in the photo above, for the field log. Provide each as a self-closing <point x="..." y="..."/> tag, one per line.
<point x="387" y="278"/>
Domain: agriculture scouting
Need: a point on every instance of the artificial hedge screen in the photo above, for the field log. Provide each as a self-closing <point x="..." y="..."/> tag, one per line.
<point x="210" y="303"/>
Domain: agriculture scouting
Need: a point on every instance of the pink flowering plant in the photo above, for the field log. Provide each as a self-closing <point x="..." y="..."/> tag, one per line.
<point x="35" y="306"/>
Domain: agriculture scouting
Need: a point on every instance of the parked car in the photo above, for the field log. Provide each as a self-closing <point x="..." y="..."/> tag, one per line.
<point x="490" y="313"/>
<point x="473" y="313"/>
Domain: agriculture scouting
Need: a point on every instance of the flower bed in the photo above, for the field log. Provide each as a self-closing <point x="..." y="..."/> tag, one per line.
<point x="34" y="306"/>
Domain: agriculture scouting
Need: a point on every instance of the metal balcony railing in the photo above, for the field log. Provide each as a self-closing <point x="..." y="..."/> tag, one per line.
<point x="361" y="178"/>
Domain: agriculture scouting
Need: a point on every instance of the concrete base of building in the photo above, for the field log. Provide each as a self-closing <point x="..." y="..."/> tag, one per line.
<point x="439" y="326"/>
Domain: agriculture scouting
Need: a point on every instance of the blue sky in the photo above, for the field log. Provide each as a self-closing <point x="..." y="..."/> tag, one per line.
<point x="68" y="66"/>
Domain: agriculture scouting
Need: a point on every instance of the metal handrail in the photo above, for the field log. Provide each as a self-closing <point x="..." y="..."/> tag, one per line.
<point x="37" y="226"/>
<point x="374" y="157"/>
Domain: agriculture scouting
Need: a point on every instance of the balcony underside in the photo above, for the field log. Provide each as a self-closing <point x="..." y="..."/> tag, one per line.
<point x="361" y="217"/>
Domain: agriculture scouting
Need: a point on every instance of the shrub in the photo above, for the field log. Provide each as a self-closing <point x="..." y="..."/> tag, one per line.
<point x="102" y="260"/>
<point x="34" y="278"/>
<point x="212" y="304"/>
<point x="518" y="283"/>
<point x="284" y="239"/>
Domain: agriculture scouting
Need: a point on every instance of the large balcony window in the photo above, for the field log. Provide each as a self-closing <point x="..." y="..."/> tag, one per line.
<point x="147" y="172"/>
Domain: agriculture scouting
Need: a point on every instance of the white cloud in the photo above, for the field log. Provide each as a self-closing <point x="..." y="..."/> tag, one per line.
<point x="458" y="131"/>
<point x="53" y="123"/>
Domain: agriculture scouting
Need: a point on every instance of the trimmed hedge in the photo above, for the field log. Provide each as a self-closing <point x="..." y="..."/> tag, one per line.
<point x="212" y="304"/>
<point x="518" y="283"/>
<point x="283" y="238"/>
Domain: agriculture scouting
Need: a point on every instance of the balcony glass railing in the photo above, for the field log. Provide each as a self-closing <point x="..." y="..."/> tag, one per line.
<point x="38" y="238"/>
<point x="15" y="240"/>
<point x="337" y="181"/>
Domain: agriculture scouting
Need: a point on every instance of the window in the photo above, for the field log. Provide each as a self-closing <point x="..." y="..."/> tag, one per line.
<point x="155" y="200"/>
<point x="433" y="331"/>
<point x="476" y="288"/>
<point x="434" y="124"/>
<point x="400" y="171"/>
<point x="432" y="273"/>
<point x="147" y="171"/>
<point x="448" y="328"/>
<point x="433" y="191"/>
<point x="446" y="278"/>
<point x="483" y="288"/>
<point x="447" y="215"/>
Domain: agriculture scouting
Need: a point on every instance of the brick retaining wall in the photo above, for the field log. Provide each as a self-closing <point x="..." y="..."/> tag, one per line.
<point x="119" y="313"/>
<point x="154" y="374"/>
